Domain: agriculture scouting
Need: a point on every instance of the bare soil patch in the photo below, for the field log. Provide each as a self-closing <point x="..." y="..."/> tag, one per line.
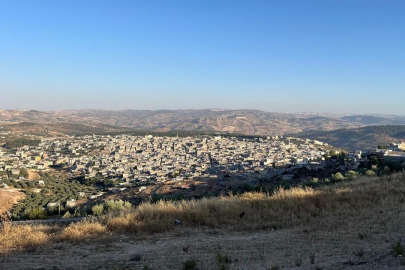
<point x="8" y="198"/>
<point x="33" y="175"/>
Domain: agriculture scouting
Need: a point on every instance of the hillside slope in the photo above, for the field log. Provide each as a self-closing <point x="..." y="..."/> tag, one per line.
<point x="58" y="128"/>
<point x="8" y="198"/>
<point x="351" y="225"/>
<point x="364" y="138"/>
<point x="249" y="122"/>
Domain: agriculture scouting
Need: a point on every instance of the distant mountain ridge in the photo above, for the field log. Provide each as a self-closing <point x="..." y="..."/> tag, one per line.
<point x="252" y="122"/>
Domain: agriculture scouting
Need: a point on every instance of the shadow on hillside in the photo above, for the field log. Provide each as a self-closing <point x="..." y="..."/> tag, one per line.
<point x="225" y="183"/>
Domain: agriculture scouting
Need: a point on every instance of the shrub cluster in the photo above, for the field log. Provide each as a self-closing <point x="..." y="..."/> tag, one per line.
<point x="111" y="207"/>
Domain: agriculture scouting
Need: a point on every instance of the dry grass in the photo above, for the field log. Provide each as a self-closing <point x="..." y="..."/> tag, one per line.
<point x="286" y="208"/>
<point x="325" y="208"/>
<point x="82" y="230"/>
<point x="29" y="237"/>
<point x="21" y="237"/>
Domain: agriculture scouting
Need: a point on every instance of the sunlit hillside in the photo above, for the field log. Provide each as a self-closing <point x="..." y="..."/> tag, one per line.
<point x="354" y="223"/>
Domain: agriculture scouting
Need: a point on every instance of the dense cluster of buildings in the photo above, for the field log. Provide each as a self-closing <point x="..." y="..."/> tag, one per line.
<point x="136" y="160"/>
<point x="158" y="159"/>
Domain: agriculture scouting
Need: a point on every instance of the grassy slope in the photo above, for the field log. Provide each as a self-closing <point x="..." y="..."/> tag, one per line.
<point x="352" y="223"/>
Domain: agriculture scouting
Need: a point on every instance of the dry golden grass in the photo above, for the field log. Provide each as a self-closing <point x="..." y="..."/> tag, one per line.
<point x="76" y="232"/>
<point x="357" y="201"/>
<point x="286" y="208"/>
<point x="21" y="237"/>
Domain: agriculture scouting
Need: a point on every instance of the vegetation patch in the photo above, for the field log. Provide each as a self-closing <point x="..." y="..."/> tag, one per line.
<point x="83" y="230"/>
<point x="308" y="207"/>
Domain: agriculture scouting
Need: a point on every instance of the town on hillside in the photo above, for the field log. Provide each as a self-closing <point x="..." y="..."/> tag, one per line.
<point x="73" y="173"/>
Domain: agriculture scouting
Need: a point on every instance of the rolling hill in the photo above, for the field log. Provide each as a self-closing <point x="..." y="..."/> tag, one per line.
<point x="364" y="138"/>
<point x="59" y="129"/>
<point x="252" y="122"/>
<point x="340" y="130"/>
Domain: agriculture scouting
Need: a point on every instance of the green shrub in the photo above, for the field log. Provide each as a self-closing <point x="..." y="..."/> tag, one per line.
<point x="111" y="206"/>
<point x="370" y="173"/>
<point x="116" y="206"/>
<point x="338" y="176"/>
<point x="66" y="215"/>
<point x="37" y="213"/>
<point x="98" y="210"/>
<point x="351" y="175"/>
<point x="315" y="180"/>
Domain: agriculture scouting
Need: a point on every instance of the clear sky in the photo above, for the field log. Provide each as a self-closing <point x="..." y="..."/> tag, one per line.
<point x="284" y="55"/>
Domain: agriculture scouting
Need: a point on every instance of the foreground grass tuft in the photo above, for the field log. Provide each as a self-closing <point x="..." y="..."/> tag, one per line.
<point x="83" y="230"/>
<point x="21" y="237"/>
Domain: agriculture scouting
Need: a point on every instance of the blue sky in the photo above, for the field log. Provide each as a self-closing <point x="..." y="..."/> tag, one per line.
<point x="285" y="55"/>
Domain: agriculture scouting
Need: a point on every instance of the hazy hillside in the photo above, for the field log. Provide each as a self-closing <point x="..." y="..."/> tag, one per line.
<point x="340" y="130"/>
<point x="358" y="138"/>
<point x="239" y="121"/>
<point x="58" y="128"/>
<point x="376" y="119"/>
